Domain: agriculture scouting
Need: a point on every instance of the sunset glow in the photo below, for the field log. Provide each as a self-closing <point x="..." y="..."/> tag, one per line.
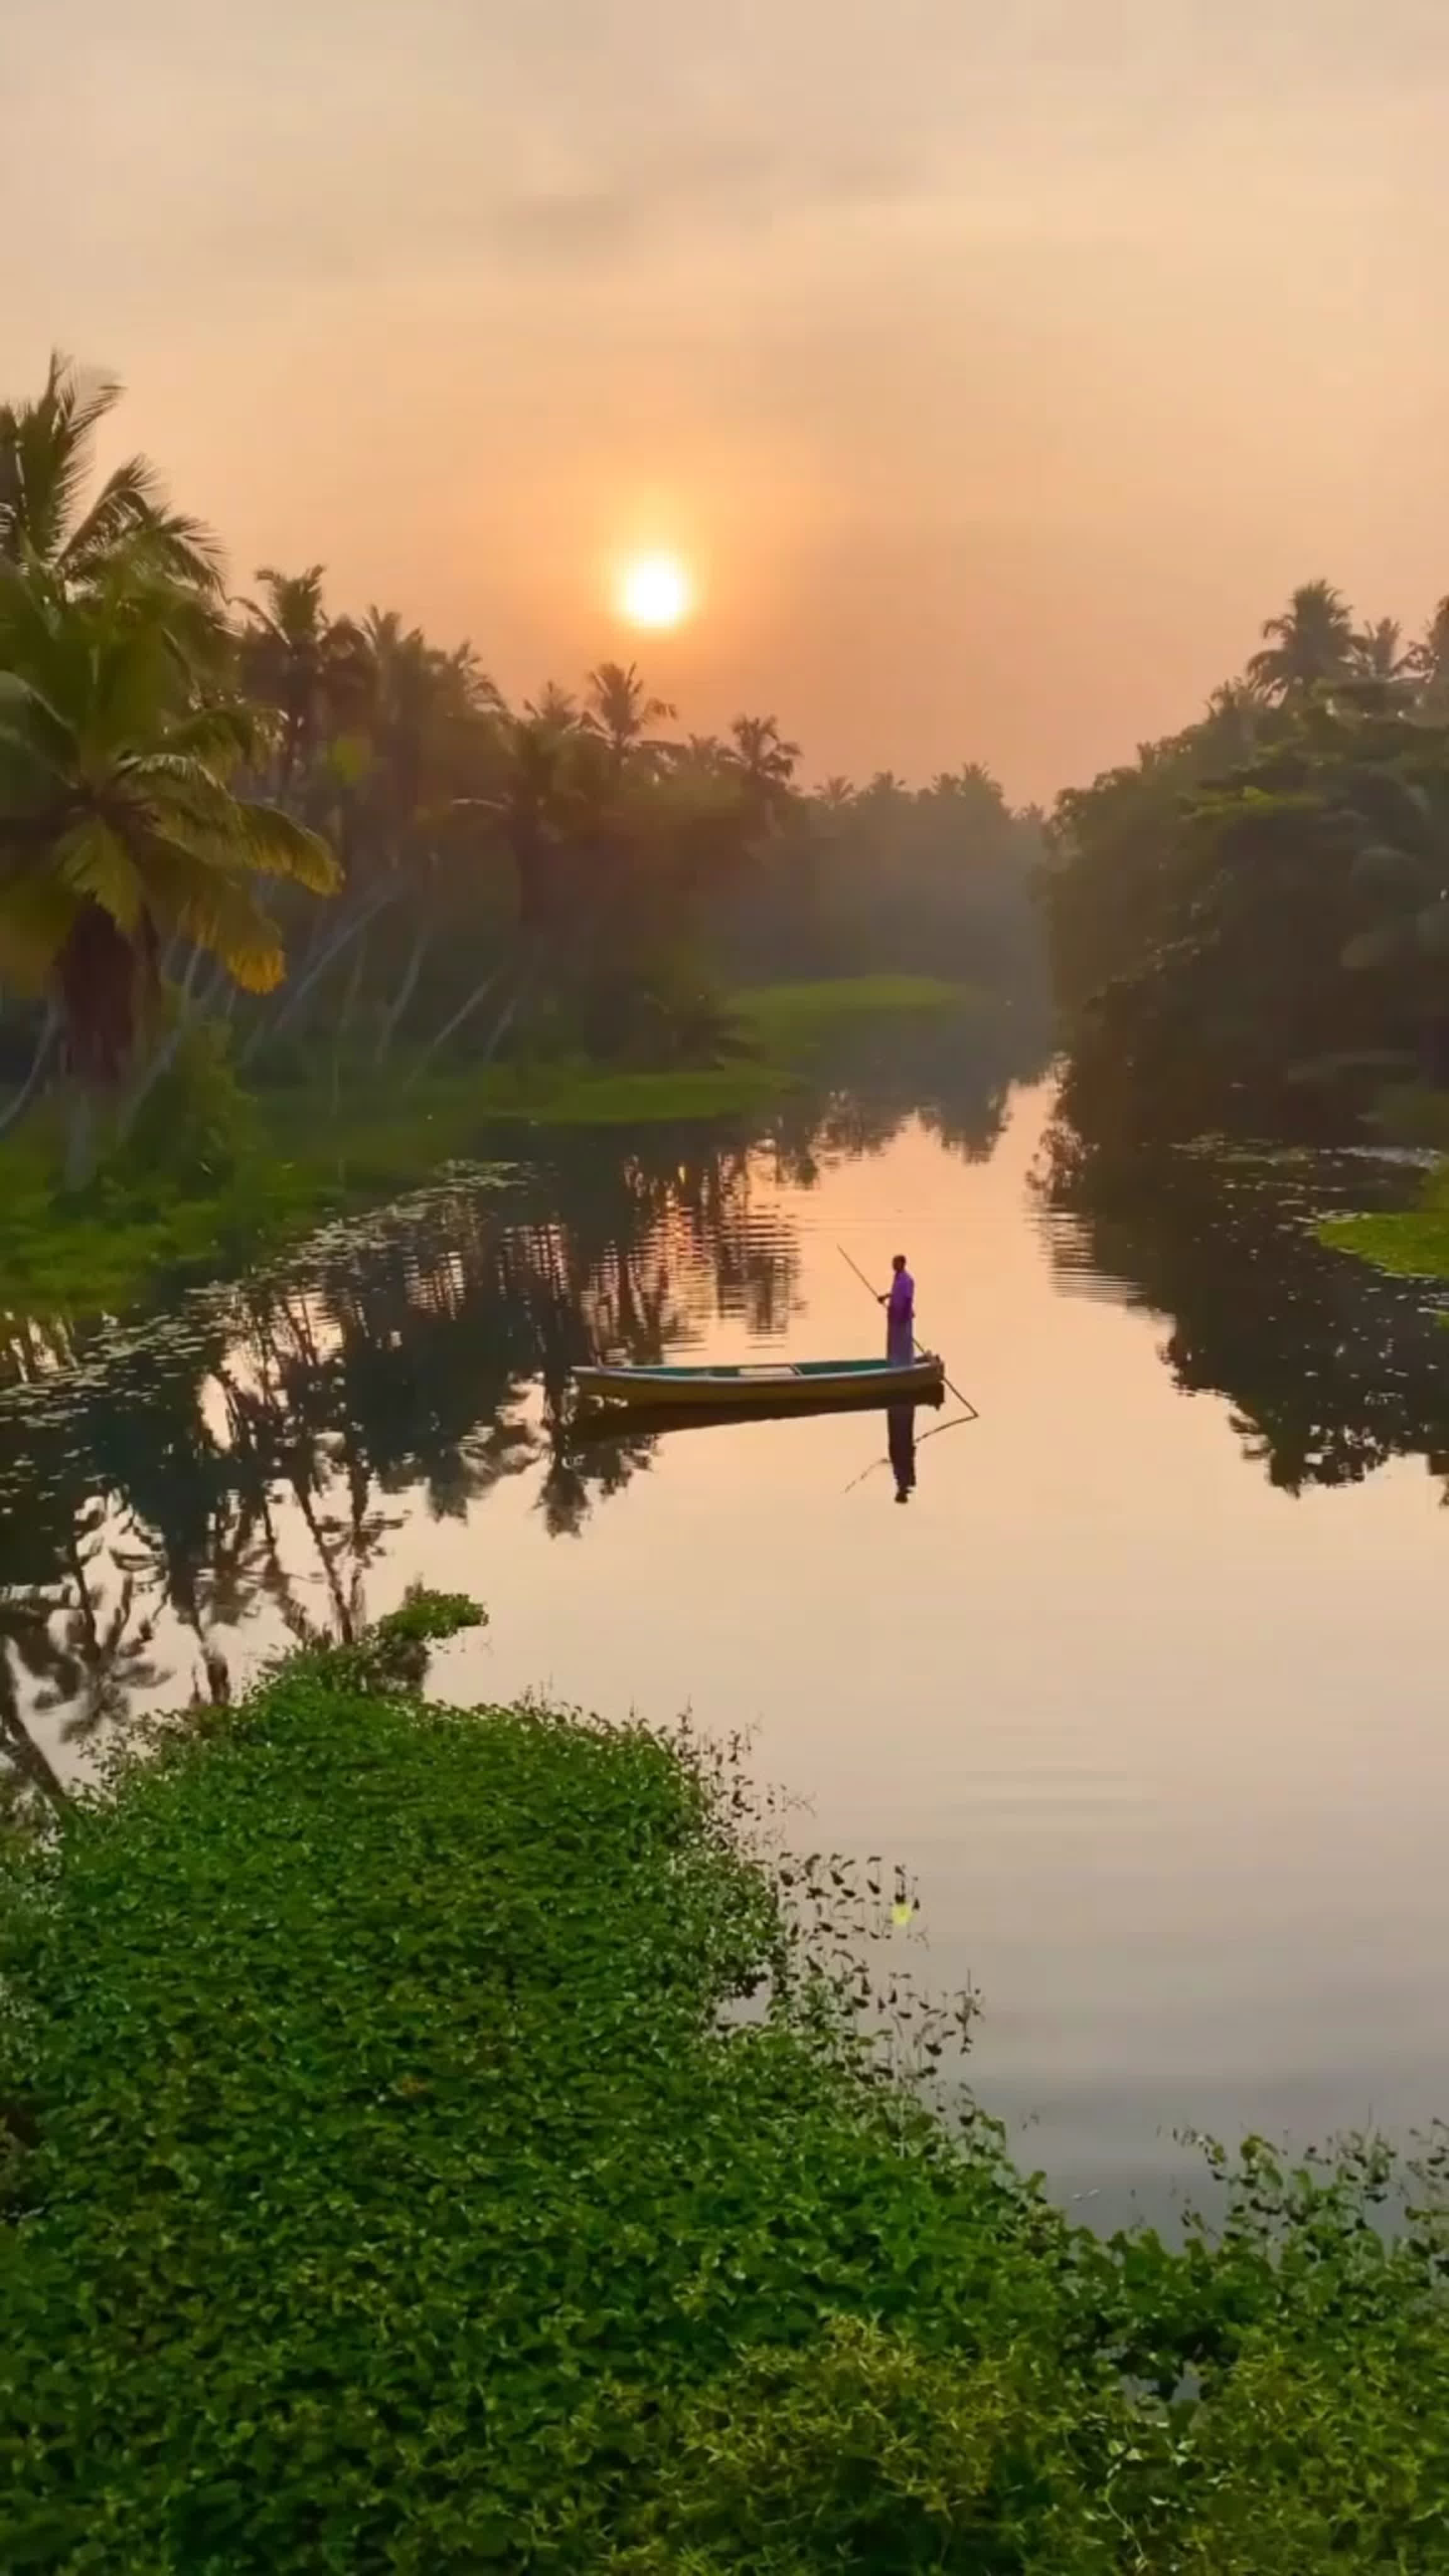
<point x="655" y="591"/>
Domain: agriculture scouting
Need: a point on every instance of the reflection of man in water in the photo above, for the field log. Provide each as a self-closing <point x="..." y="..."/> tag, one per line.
<point x="901" y="1439"/>
<point x="900" y="1308"/>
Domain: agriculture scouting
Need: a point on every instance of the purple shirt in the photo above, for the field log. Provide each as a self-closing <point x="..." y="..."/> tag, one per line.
<point x="900" y="1319"/>
<point x="903" y="1298"/>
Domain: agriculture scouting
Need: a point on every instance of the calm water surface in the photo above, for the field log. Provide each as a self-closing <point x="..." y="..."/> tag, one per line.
<point x="1145" y="1685"/>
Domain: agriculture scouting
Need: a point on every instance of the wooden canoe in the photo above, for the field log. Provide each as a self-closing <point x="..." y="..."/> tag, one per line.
<point x="779" y="1385"/>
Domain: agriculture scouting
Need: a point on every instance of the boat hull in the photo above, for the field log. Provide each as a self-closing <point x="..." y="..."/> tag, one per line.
<point x="655" y="1421"/>
<point x="781" y="1387"/>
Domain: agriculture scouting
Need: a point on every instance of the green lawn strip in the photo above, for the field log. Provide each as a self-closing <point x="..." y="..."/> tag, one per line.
<point x="789" y="1021"/>
<point x="386" y="2191"/>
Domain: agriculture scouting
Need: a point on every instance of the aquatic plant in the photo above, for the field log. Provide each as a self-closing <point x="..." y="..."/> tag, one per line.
<point x="388" y="2185"/>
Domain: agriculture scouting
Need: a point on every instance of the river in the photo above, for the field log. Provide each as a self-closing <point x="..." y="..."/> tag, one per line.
<point x="1143" y="1687"/>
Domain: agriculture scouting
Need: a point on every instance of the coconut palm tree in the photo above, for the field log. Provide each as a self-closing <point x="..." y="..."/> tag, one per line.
<point x="620" y="710"/>
<point x="554" y="707"/>
<point x="705" y="754"/>
<point x="119" y="828"/>
<point x="46" y="450"/>
<point x="1233" y="718"/>
<point x="1310" y="644"/>
<point x="1378" y="652"/>
<point x="317" y="671"/>
<point x="431" y="710"/>
<point x="765" y="763"/>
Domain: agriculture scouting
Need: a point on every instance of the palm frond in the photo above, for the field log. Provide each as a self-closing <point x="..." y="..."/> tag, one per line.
<point x="47" y="444"/>
<point x="93" y="862"/>
<point x="130" y="510"/>
<point x="83" y="398"/>
<point x="277" y="846"/>
<point x="186" y="799"/>
<point x="219" y="734"/>
<point x="217" y="912"/>
<point x="33" y="734"/>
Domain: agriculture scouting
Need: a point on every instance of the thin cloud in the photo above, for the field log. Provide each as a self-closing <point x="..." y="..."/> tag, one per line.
<point x="606" y="215"/>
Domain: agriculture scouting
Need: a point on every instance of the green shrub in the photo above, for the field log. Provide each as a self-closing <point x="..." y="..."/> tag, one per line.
<point x="865" y="2450"/>
<point x="195" y="1124"/>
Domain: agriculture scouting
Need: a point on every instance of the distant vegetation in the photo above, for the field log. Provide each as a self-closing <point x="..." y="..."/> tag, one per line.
<point x="250" y="843"/>
<point x="1249" y="925"/>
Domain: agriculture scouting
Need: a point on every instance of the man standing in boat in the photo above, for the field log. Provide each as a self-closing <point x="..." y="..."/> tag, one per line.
<point x="900" y="1305"/>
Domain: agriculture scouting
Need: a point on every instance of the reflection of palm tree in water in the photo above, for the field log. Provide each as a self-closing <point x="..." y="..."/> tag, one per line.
<point x="422" y="1355"/>
<point x="901" y="1443"/>
<point x="66" y="1651"/>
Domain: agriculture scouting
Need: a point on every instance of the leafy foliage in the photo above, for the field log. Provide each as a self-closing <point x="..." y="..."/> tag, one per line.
<point x="119" y="825"/>
<point x="388" y="2188"/>
<point x="45" y="461"/>
<point x="1250" y="926"/>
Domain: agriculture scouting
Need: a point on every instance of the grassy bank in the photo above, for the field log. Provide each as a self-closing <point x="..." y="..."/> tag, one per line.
<point x="126" y="1231"/>
<point x="787" y="1022"/>
<point x="1413" y="1243"/>
<point x="309" y="1156"/>
<point x="386" y="2190"/>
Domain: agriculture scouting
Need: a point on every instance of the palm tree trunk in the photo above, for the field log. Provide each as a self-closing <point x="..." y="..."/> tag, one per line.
<point x="366" y="914"/>
<point x="395" y="1014"/>
<point x="474" y="1002"/>
<point x="39" y="1065"/>
<point x="504" y="1023"/>
<point x="165" y="1055"/>
<point x="80" y="1142"/>
<point x="349" y="1005"/>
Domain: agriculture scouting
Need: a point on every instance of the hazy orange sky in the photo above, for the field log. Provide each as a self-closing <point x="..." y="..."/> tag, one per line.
<point x="999" y="368"/>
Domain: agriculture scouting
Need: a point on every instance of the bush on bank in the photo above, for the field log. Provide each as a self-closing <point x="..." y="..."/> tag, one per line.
<point x="386" y="2188"/>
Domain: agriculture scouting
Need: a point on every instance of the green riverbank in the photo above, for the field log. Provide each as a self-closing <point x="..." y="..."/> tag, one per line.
<point x="1411" y="1243"/>
<point x="307" y="1156"/>
<point x="391" y="2186"/>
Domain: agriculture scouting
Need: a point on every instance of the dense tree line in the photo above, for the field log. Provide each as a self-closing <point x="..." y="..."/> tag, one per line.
<point x="1249" y="925"/>
<point x="328" y="835"/>
<point x="934" y="880"/>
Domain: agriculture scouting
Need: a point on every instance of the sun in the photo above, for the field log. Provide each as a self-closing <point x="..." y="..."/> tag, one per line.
<point x="655" y="590"/>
